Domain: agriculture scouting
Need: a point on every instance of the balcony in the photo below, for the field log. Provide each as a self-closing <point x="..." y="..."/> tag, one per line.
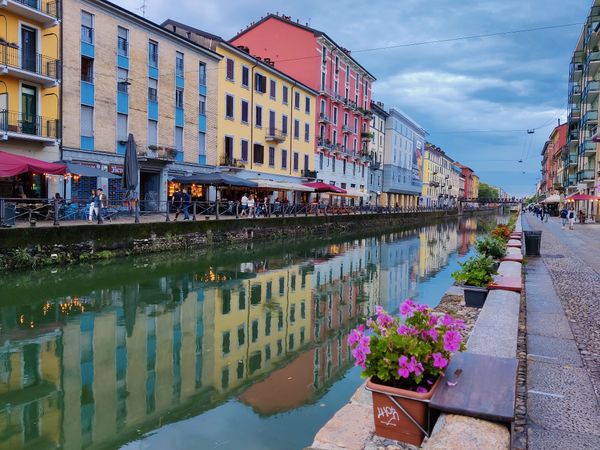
<point x="275" y="135"/>
<point x="346" y="129"/>
<point x="570" y="180"/>
<point x="45" y="12"/>
<point x="571" y="160"/>
<point x="375" y="165"/>
<point x="575" y="93"/>
<point x="15" y="125"/>
<point x="574" y="137"/>
<point x="575" y="112"/>
<point x="587" y="147"/>
<point x="232" y="163"/>
<point x="160" y="152"/>
<point x="309" y="173"/>
<point x="593" y="62"/>
<point x="325" y="144"/>
<point x="590" y="117"/>
<point x="324" y="118"/>
<point x="591" y="91"/>
<point x="35" y="67"/>
<point x="366" y="136"/>
<point x="586" y="175"/>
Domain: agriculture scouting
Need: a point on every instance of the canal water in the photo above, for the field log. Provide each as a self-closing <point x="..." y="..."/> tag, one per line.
<point x="242" y="348"/>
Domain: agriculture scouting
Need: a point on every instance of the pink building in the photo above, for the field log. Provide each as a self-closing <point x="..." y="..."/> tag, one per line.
<point x="343" y="109"/>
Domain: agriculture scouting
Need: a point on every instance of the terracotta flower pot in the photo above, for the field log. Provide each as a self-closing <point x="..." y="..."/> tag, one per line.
<point x="391" y="422"/>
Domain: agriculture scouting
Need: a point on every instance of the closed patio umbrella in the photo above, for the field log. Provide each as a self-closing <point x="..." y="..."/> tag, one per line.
<point x="131" y="174"/>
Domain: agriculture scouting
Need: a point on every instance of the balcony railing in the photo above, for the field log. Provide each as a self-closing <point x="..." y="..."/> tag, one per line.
<point x="48" y="7"/>
<point x="275" y="135"/>
<point x="165" y="152"/>
<point x="591" y="90"/>
<point x="322" y="143"/>
<point x="346" y="129"/>
<point x="587" y="147"/>
<point x="375" y="165"/>
<point x="228" y="161"/>
<point x="13" y="57"/>
<point x="324" y="118"/>
<point x="590" y="116"/>
<point x="586" y="175"/>
<point x="24" y="124"/>
<point x="571" y="160"/>
<point x="309" y="173"/>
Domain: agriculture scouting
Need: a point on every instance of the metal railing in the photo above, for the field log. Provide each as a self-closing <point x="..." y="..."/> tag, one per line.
<point x="275" y="135"/>
<point x="35" y="63"/>
<point x="50" y="7"/>
<point x="15" y="122"/>
<point x="159" y="152"/>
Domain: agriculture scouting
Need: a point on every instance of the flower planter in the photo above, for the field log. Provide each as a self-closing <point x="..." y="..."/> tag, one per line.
<point x="475" y="296"/>
<point x="409" y="426"/>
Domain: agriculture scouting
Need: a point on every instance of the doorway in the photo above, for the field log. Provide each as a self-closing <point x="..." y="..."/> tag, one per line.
<point x="28" y="48"/>
<point x="28" y="109"/>
<point x="149" y="191"/>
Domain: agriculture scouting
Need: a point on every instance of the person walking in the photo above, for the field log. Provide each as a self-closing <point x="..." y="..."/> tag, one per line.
<point x="571" y="218"/>
<point x="177" y="202"/>
<point x="98" y="205"/>
<point x="541" y="213"/>
<point x="564" y="217"/>
<point x="251" y="206"/>
<point x="187" y="201"/>
<point x="244" y="204"/>
<point x="92" y="206"/>
<point x="546" y="213"/>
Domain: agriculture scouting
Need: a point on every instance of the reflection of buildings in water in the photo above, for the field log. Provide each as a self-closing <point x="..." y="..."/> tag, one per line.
<point x="437" y="243"/>
<point x="467" y="234"/>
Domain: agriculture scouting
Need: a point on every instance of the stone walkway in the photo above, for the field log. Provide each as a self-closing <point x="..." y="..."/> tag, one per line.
<point x="563" y="338"/>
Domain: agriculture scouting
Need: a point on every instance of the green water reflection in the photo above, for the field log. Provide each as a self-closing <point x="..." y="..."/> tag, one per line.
<point x="105" y="355"/>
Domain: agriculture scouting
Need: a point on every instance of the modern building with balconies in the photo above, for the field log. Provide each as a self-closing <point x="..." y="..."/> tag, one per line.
<point x="375" y="140"/>
<point x="30" y="75"/>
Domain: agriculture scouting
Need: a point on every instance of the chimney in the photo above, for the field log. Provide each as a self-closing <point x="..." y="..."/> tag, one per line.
<point x="559" y="121"/>
<point x="244" y="48"/>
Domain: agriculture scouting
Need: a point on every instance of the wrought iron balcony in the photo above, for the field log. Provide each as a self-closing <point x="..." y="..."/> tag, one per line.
<point x="228" y="161"/>
<point x="346" y="129"/>
<point x="365" y="135"/>
<point x="325" y="144"/>
<point x="324" y="118"/>
<point x="164" y="152"/>
<point x="46" y="12"/>
<point x="23" y="126"/>
<point x="375" y="165"/>
<point x="275" y="135"/>
<point x="309" y="173"/>
<point x="35" y="67"/>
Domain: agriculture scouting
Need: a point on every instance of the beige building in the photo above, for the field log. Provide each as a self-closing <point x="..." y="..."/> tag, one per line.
<point x="376" y="150"/>
<point x="124" y="74"/>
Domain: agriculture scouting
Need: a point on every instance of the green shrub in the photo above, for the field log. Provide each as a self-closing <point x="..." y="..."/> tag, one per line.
<point x="475" y="271"/>
<point x="491" y="246"/>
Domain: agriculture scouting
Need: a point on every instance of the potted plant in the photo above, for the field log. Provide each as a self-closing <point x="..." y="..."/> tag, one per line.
<point x="491" y="246"/>
<point x="474" y="276"/>
<point x="404" y="359"/>
<point x="502" y="232"/>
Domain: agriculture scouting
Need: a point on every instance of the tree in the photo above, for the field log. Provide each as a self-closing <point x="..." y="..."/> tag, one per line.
<point x="487" y="192"/>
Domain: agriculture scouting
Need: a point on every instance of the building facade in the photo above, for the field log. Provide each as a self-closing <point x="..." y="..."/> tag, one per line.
<point x="266" y="119"/>
<point x="30" y="78"/>
<point x="376" y="151"/>
<point x="124" y="74"/>
<point x="402" y="182"/>
<point x="581" y="158"/>
<point x="343" y="107"/>
<point x="553" y="164"/>
<point x="438" y="176"/>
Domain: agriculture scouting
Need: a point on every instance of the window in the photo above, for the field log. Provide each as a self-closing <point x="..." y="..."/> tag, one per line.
<point x="201" y="143"/>
<point x="152" y="90"/>
<point x="321" y="157"/>
<point x="345" y="119"/>
<point x="284" y="160"/>
<point x="241" y="335"/>
<point x="271" y="156"/>
<point x="225" y="344"/>
<point x="202" y="105"/>
<point x="284" y="95"/>
<point x="334" y="137"/>
<point x="337" y="64"/>
<point x="260" y="83"/>
<point x="324" y="55"/>
<point x="296" y="129"/>
<point x="87" y="27"/>
<point x="244" y="150"/>
<point x="245" y="76"/>
<point x="296" y="156"/>
<point x="121" y="127"/>
<point x="259" y="154"/>
<point x="122" y="80"/>
<point x="284" y="125"/>
<point x="323" y="106"/>
<point x="153" y="54"/>
<point x="258" y="116"/>
<point x="335" y="113"/>
<point x="87" y="69"/>
<point x="306" y="160"/>
<point x="244" y="111"/>
<point x="230" y="69"/>
<point x="87" y="121"/>
<point x="297" y="100"/>
<point x="273" y="89"/>
<point x="179" y="97"/>
<point x="356" y="124"/>
<point x="152" y="132"/>
<point x="307" y="132"/>
<point x="202" y="74"/>
<point x="344" y="167"/>
<point x="322" y="81"/>
<point x="229" y="106"/>
<point x="307" y="105"/>
<point x="228" y="150"/>
<point x="123" y="41"/>
<point x="179" y="69"/>
<point x="179" y="138"/>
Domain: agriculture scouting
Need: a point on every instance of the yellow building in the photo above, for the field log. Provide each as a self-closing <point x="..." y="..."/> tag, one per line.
<point x="475" y="186"/>
<point x="265" y="118"/>
<point x="30" y="69"/>
<point x="124" y="74"/>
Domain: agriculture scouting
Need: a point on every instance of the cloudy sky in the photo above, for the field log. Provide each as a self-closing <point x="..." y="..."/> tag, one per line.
<point x="496" y="84"/>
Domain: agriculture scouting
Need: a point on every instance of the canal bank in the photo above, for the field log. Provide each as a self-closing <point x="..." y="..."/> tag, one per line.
<point x="36" y="247"/>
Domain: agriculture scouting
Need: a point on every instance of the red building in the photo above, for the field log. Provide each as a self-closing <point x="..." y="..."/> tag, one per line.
<point x="467" y="172"/>
<point x="313" y="58"/>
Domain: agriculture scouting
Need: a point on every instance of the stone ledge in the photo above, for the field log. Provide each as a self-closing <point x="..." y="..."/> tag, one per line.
<point x="348" y="429"/>
<point x="454" y="432"/>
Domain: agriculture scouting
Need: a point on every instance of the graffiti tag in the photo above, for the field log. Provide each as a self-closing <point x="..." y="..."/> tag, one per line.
<point x="388" y="415"/>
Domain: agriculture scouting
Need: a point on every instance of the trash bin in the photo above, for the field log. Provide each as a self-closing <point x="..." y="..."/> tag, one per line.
<point x="533" y="240"/>
<point x="8" y="218"/>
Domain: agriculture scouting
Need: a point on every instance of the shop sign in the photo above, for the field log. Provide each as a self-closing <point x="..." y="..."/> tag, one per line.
<point x="115" y="169"/>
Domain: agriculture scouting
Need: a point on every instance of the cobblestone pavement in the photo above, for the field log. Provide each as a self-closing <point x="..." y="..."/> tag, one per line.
<point x="563" y="338"/>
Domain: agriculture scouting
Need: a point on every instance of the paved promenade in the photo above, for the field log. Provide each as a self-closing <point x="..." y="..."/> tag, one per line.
<point x="563" y="338"/>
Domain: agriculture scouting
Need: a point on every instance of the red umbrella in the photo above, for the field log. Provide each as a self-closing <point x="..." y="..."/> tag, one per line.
<point x="583" y="197"/>
<point x="319" y="186"/>
<point x="11" y="165"/>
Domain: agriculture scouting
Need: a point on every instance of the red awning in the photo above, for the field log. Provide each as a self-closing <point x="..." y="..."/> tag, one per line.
<point x="319" y="186"/>
<point x="583" y="197"/>
<point x="11" y="165"/>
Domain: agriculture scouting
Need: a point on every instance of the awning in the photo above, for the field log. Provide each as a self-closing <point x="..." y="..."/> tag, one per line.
<point x="319" y="186"/>
<point x="216" y="179"/>
<point x="281" y="185"/>
<point x="11" y="165"/>
<point x="353" y="193"/>
<point x="554" y="198"/>
<point x="86" y="171"/>
<point x="582" y="197"/>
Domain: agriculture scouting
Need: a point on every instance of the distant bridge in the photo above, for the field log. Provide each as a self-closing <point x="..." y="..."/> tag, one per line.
<point x="506" y="201"/>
